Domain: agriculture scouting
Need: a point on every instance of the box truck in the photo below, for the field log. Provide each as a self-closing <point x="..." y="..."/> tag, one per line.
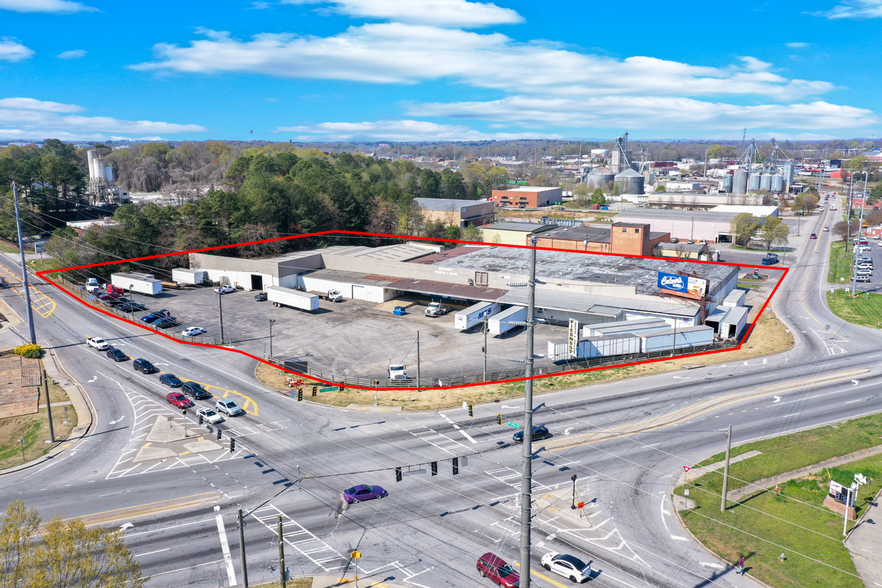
<point x="330" y="295"/>
<point x="468" y="318"/>
<point x="189" y="276"/>
<point x="92" y="285"/>
<point x="137" y="282"/>
<point x="280" y="296"/>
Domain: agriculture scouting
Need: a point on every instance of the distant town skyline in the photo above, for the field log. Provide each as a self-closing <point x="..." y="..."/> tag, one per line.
<point x="437" y="70"/>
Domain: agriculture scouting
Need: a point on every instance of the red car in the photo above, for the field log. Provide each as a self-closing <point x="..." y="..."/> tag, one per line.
<point x="178" y="399"/>
<point x="494" y="567"/>
<point x="813" y="236"/>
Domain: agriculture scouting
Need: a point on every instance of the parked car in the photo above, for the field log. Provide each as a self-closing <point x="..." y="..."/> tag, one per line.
<point x="131" y="307"/>
<point x="539" y="432"/>
<point x="170" y="380"/>
<point x="567" y="566"/>
<point x="166" y="322"/>
<point x="116" y="355"/>
<point x="195" y="390"/>
<point x="210" y="416"/>
<point x="260" y="296"/>
<point x="179" y="400"/>
<point x="228" y="407"/>
<point x="154" y="316"/>
<point x="118" y="301"/>
<point x="144" y="366"/>
<point x="192" y="331"/>
<point x="494" y="567"/>
<point x="363" y="492"/>
<point x="225" y="289"/>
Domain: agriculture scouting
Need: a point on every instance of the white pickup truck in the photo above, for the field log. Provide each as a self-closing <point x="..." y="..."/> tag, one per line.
<point x="98" y="343"/>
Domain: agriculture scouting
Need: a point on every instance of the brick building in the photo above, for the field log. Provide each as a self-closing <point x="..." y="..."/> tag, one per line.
<point x="621" y="239"/>
<point x="527" y="196"/>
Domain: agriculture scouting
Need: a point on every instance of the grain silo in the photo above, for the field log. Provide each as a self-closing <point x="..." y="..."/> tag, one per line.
<point x="629" y="182"/>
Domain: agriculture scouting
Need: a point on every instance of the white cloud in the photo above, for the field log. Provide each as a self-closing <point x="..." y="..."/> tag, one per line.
<point x="72" y="54"/>
<point x="55" y="6"/>
<point x="442" y="13"/>
<point x="260" y="5"/>
<point x="650" y="112"/>
<point x="798" y="45"/>
<point x="31" y="118"/>
<point x="12" y="50"/>
<point x="402" y="53"/>
<point x="398" y="130"/>
<point x="854" y="9"/>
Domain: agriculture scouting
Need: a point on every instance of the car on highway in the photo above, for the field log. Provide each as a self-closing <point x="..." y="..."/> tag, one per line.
<point x="210" y="416"/>
<point x="826" y="229"/>
<point x="117" y="355"/>
<point x="98" y="343"/>
<point x="813" y="236"/>
<point x="567" y="566"/>
<point x="363" y="492"/>
<point x="192" y="331"/>
<point x="166" y="322"/>
<point x="539" y="432"/>
<point x="195" y="390"/>
<point x="498" y="571"/>
<point x="228" y="407"/>
<point x="170" y="380"/>
<point x="224" y="290"/>
<point x="179" y="400"/>
<point x="144" y="366"/>
<point x="260" y="296"/>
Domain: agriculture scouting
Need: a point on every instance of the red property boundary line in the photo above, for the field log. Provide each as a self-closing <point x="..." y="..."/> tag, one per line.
<point x="45" y="273"/>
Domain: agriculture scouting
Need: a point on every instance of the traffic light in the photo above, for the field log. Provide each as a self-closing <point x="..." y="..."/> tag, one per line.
<point x="219" y="434"/>
<point x="314" y="390"/>
<point x="498" y="418"/>
<point x="299" y="394"/>
<point x="200" y="419"/>
<point x="232" y="444"/>
<point x="397" y="474"/>
<point x="455" y="465"/>
<point x="471" y="409"/>
<point x="434" y="468"/>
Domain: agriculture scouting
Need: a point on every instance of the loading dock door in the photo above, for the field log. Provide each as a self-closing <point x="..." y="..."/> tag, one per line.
<point x="256" y="282"/>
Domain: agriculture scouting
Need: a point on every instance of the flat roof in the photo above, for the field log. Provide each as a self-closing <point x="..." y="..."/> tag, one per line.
<point x="664" y="214"/>
<point x="446" y="204"/>
<point x="520" y="227"/>
<point x="351" y="277"/>
<point x="586" y="267"/>
<point x="581" y="234"/>
<point x="434" y="288"/>
<point x="528" y="189"/>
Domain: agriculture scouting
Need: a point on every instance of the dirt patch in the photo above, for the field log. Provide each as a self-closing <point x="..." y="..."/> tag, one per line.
<point x="768" y="337"/>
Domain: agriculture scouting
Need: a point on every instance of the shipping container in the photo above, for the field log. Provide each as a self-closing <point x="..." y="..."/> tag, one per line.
<point x="137" y="282"/>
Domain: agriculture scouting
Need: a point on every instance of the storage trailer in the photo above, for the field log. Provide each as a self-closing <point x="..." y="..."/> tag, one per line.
<point x="280" y="296"/>
<point x="468" y="318"/>
<point x="137" y="282"/>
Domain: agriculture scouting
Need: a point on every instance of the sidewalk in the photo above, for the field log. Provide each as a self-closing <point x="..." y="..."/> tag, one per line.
<point x="375" y="580"/>
<point x="11" y="335"/>
<point x="863" y="543"/>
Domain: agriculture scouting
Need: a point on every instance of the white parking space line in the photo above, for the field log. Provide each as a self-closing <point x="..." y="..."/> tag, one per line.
<point x="225" y="547"/>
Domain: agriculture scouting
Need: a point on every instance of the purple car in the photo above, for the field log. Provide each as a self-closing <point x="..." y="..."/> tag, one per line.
<point x="363" y="492"/>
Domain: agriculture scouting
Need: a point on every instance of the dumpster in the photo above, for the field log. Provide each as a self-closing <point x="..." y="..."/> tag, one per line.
<point x="399" y="310"/>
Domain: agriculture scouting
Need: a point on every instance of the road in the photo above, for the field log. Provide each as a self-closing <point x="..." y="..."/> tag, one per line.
<point x="626" y="442"/>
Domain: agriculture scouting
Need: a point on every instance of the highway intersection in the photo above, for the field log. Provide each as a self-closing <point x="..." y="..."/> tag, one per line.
<point x="626" y="442"/>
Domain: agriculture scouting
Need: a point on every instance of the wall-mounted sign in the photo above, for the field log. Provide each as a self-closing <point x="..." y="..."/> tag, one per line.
<point x="686" y="286"/>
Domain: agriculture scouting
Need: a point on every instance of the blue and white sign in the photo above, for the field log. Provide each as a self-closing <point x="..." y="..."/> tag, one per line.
<point x="672" y="282"/>
<point x="685" y="285"/>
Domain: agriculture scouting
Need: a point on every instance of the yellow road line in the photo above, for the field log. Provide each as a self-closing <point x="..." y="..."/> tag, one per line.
<point x="39" y="301"/>
<point x="150" y="508"/>
<point x="543" y="576"/>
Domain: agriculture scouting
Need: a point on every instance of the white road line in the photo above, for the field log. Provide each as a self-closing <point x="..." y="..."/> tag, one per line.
<point x="225" y="547"/>
<point x="675" y="537"/>
<point x="151" y="552"/>
<point x="790" y="415"/>
<point x="850" y="401"/>
<point x="467" y="436"/>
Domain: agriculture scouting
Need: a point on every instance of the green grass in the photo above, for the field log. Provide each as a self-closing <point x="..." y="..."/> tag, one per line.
<point x="840" y="263"/>
<point x="763" y="525"/>
<point x="864" y="309"/>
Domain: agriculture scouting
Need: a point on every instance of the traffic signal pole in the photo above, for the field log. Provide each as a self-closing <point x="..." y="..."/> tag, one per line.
<point x="527" y="454"/>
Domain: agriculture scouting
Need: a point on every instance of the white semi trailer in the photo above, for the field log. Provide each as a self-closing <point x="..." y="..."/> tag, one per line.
<point x="137" y="282"/>
<point x="188" y="276"/>
<point x="500" y="323"/>
<point x="468" y="318"/>
<point x="280" y="296"/>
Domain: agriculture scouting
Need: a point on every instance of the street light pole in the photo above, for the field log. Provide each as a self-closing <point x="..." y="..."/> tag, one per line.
<point x="131" y="299"/>
<point x="220" y="312"/>
<point x="527" y="453"/>
<point x="271" y="337"/>
<point x="24" y="269"/>
<point x="573" y="507"/>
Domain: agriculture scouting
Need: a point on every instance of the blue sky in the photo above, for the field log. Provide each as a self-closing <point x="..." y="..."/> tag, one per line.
<point x="410" y="70"/>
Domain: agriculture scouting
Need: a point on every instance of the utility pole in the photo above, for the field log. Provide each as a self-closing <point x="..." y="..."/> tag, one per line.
<point x="242" y="550"/>
<point x="857" y="248"/>
<point x="220" y="314"/>
<point x="24" y="269"/>
<point x="726" y="470"/>
<point x="48" y="408"/>
<point x="418" y="359"/>
<point x="485" y="350"/>
<point x="282" y="568"/>
<point x="527" y="454"/>
<point x="271" y="337"/>
<point x="848" y="212"/>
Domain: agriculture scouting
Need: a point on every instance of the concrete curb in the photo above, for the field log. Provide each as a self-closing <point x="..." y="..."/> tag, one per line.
<point x="375" y="580"/>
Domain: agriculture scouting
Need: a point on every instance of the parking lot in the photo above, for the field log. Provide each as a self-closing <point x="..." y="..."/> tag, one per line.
<point x="352" y="338"/>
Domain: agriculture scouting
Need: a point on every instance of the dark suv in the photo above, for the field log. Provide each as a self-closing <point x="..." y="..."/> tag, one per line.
<point x="195" y="390"/>
<point x="166" y="322"/>
<point x="494" y="567"/>
<point x="144" y="366"/>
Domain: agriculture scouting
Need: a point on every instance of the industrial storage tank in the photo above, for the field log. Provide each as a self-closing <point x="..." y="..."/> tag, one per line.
<point x="788" y="173"/>
<point x="630" y="182"/>
<point x="753" y="182"/>
<point x="777" y="183"/>
<point x="766" y="182"/>
<point x="727" y="183"/>
<point x="739" y="182"/>
<point x="600" y="178"/>
<point x="108" y="173"/>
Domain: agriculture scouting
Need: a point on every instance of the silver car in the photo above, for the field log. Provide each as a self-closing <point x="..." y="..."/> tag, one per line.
<point x="228" y="407"/>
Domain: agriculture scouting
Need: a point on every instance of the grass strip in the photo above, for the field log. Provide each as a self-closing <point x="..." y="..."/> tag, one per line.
<point x="864" y="309"/>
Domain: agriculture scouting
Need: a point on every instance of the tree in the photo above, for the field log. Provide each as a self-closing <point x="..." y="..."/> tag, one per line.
<point x="65" y="553"/>
<point x="843" y="229"/>
<point x="875" y="193"/>
<point x="874" y="217"/>
<point x="743" y="226"/>
<point x="661" y="188"/>
<point x="774" y="231"/>
<point x="580" y="191"/>
<point x="805" y="202"/>
<point x="597" y="197"/>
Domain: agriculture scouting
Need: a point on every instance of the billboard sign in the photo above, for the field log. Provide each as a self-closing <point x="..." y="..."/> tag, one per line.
<point x="686" y="286"/>
<point x="573" y="338"/>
